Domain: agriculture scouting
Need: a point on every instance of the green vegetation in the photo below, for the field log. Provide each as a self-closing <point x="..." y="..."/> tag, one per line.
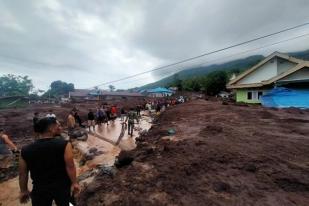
<point x="59" y="88"/>
<point x="17" y="102"/>
<point x="210" y="84"/>
<point x="111" y="88"/>
<point x="235" y="66"/>
<point x="11" y="85"/>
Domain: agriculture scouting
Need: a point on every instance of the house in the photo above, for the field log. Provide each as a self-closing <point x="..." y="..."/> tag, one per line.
<point x="277" y="70"/>
<point x="99" y="95"/>
<point x="158" y="92"/>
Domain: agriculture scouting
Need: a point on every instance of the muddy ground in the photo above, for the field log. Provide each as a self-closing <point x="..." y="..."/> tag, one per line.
<point x="18" y="123"/>
<point x="220" y="155"/>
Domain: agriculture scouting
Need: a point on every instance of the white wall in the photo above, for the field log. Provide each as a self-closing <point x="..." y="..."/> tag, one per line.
<point x="284" y="65"/>
<point x="302" y="74"/>
<point x="265" y="72"/>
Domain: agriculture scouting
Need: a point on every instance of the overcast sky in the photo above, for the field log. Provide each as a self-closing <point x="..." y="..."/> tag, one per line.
<point x="88" y="42"/>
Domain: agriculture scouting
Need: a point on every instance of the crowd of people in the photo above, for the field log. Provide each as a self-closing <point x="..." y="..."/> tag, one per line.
<point x="50" y="158"/>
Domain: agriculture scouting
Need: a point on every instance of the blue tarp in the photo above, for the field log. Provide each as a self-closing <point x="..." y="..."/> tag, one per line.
<point x="282" y="97"/>
<point x="159" y="90"/>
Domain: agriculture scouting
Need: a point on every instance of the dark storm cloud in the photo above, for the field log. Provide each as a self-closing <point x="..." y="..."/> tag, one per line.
<point x="89" y="42"/>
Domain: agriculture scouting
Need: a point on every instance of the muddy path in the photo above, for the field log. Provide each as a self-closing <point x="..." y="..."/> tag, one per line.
<point x="106" y="152"/>
<point x="220" y="155"/>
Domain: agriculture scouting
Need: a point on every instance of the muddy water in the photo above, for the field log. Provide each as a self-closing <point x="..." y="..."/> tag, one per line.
<point x="9" y="190"/>
<point x="105" y="138"/>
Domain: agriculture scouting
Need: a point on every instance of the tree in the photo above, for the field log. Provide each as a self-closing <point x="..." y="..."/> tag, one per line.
<point x="177" y="82"/>
<point x="215" y="82"/>
<point x="111" y="88"/>
<point x="58" y="88"/>
<point x="12" y="85"/>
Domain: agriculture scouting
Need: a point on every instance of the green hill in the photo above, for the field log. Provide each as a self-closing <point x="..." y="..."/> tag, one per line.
<point x="235" y="65"/>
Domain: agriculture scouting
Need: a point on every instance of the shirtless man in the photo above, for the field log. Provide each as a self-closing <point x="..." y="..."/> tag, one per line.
<point x="5" y="153"/>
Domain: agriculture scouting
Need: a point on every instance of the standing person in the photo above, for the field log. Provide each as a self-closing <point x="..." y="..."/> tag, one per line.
<point x="77" y="119"/>
<point x="71" y="122"/>
<point x="138" y="110"/>
<point x="51" y="165"/>
<point x="123" y="114"/>
<point x="5" y="153"/>
<point x="107" y="113"/>
<point x="113" y="112"/>
<point x="91" y="121"/>
<point x="131" y="116"/>
<point x="158" y="108"/>
<point x="51" y="114"/>
<point x="98" y="117"/>
<point x="35" y="119"/>
<point x="102" y="115"/>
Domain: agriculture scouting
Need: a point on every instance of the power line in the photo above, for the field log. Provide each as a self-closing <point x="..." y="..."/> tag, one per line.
<point x="206" y="54"/>
<point x="229" y="56"/>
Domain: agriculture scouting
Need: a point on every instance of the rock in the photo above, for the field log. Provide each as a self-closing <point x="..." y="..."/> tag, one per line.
<point x="221" y="187"/>
<point x="83" y="138"/>
<point x="250" y="168"/>
<point x="81" y="135"/>
<point x="171" y="131"/>
<point x="107" y="170"/>
<point x="93" y="150"/>
<point x="124" y="158"/>
<point x="88" y="156"/>
<point x="86" y="175"/>
<point x="65" y="136"/>
<point x="143" y="133"/>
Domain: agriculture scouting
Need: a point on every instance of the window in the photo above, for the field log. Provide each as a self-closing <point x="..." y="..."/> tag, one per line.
<point x="249" y="95"/>
<point x="260" y="94"/>
<point x="254" y="95"/>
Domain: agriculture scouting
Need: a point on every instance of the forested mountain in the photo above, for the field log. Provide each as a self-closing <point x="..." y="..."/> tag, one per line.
<point x="238" y="65"/>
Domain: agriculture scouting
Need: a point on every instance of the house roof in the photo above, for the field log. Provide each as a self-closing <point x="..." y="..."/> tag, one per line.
<point x="159" y="90"/>
<point x="299" y="65"/>
<point x="128" y="94"/>
<point x="80" y="92"/>
<point x="87" y="92"/>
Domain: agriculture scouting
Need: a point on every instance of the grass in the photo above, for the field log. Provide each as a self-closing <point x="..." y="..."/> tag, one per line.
<point x="7" y="103"/>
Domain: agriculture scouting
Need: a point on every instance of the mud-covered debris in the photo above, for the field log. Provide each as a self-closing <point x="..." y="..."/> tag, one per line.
<point x="221" y="187"/>
<point x="93" y="150"/>
<point x="250" y="167"/>
<point x="125" y="158"/>
<point x="143" y="133"/>
<point x="107" y="170"/>
<point x="88" y="156"/>
<point x="86" y="175"/>
<point x="79" y="135"/>
<point x="65" y="136"/>
<point x="83" y="138"/>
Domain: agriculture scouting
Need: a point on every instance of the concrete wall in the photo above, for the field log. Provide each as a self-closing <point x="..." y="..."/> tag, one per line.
<point x="242" y="95"/>
<point x="265" y="72"/>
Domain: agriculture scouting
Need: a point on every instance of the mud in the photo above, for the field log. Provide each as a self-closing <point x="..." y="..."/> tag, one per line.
<point x="18" y="124"/>
<point x="219" y="155"/>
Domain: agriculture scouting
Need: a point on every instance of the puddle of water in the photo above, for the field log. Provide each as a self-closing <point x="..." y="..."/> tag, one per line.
<point x="109" y="148"/>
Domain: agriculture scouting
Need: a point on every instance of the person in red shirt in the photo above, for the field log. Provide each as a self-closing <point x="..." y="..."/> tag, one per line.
<point x="113" y="112"/>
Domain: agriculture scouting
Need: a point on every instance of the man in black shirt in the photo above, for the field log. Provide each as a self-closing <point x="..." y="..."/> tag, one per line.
<point x="91" y="120"/>
<point x="51" y="165"/>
